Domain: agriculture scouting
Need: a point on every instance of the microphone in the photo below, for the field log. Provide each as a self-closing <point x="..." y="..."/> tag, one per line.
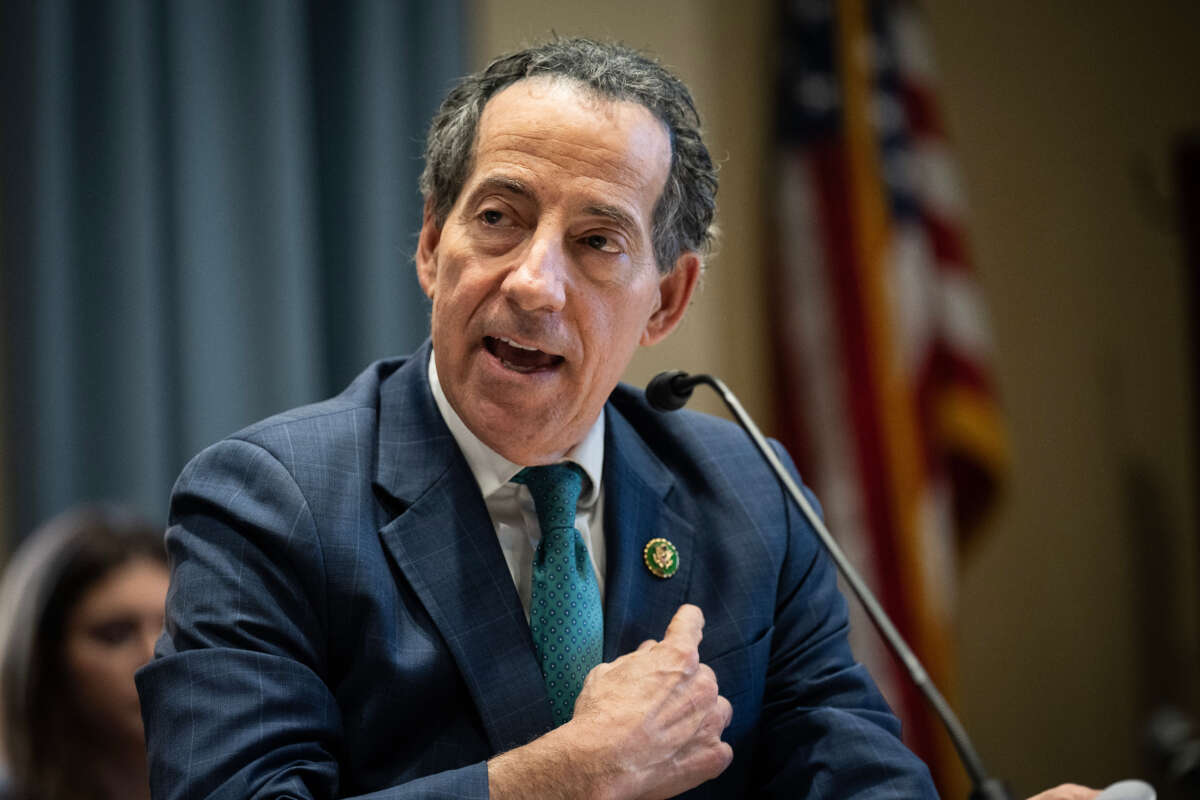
<point x="1128" y="790"/>
<point x="669" y="391"/>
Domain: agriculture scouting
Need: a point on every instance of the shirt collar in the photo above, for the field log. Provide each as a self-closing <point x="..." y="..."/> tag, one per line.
<point x="492" y="470"/>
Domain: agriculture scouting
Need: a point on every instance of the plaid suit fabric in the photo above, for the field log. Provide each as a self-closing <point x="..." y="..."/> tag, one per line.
<point x="341" y="620"/>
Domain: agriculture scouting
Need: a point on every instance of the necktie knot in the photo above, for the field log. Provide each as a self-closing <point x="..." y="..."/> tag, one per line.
<point x="555" y="489"/>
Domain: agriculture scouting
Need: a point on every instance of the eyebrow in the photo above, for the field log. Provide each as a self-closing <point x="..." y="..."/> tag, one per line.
<point x="616" y="215"/>
<point x="502" y="184"/>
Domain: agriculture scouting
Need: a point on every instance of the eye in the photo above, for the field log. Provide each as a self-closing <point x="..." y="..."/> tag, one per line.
<point x="602" y="243"/>
<point x="114" y="632"/>
<point x="491" y="216"/>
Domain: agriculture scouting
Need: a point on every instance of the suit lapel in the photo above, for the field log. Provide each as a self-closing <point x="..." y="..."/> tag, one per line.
<point x="637" y="487"/>
<point x="444" y="543"/>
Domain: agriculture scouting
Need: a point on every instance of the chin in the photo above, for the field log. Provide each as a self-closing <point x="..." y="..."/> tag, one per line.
<point x="537" y="440"/>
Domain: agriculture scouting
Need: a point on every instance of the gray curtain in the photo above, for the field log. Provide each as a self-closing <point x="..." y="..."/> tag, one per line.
<point x="209" y="209"/>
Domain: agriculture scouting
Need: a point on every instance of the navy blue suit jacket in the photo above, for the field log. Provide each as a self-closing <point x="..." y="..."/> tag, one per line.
<point x="341" y="620"/>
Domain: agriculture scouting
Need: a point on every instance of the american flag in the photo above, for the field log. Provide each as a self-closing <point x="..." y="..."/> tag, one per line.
<point x="881" y="336"/>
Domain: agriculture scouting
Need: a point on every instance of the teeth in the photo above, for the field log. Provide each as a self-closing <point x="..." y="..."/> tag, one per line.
<point x="511" y="343"/>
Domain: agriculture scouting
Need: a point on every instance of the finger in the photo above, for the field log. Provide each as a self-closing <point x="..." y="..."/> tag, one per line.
<point x="706" y="681"/>
<point x="694" y="701"/>
<point x="726" y="710"/>
<point x="686" y="628"/>
<point x="703" y="761"/>
<point x="719" y="715"/>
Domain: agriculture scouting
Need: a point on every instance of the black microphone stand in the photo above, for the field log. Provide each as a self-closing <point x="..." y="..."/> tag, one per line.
<point x="669" y="391"/>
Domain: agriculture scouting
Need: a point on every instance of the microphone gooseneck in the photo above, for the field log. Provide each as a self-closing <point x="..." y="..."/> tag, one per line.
<point x="670" y="391"/>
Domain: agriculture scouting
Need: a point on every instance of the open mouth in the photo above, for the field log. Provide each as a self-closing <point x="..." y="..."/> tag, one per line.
<point x="520" y="358"/>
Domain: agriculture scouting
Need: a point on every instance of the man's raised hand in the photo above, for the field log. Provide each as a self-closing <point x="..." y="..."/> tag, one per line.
<point x="657" y="714"/>
<point x="647" y="725"/>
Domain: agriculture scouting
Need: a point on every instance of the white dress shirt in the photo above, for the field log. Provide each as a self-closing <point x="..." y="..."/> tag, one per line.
<point x="510" y="504"/>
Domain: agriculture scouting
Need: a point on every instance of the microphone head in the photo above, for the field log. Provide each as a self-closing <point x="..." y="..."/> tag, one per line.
<point x="667" y="391"/>
<point x="1128" y="790"/>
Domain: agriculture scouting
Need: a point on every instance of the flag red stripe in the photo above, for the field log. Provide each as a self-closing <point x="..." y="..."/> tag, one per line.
<point x="862" y="392"/>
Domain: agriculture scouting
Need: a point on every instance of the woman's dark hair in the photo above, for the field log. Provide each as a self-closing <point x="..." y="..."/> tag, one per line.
<point x="48" y="574"/>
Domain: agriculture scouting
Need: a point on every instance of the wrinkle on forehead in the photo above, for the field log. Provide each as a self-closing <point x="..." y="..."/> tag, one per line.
<point x="570" y="157"/>
<point x="566" y="126"/>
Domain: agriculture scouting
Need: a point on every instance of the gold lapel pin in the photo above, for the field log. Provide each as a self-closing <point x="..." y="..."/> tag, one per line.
<point x="661" y="558"/>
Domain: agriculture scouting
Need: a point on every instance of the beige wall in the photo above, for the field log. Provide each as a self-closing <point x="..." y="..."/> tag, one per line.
<point x="1053" y="112"/>
<point x="1054" y="115"/>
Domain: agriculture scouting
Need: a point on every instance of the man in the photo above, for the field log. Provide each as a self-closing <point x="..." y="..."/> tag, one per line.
<point x="359" y="601"/>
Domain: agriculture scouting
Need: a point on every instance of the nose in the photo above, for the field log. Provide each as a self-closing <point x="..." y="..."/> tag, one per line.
<point x="538" y="282"/>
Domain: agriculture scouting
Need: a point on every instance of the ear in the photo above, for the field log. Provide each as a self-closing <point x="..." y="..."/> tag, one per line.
<point x="427" y="242"/>
<point x="674" y="293"/>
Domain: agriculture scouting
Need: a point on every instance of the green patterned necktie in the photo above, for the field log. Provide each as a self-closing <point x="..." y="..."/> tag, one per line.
<point x="565" y="616"/>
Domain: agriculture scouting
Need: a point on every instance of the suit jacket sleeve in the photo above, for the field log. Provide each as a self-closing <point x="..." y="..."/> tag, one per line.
<point x="235" y="704"/>
<point x="825" y="730"/>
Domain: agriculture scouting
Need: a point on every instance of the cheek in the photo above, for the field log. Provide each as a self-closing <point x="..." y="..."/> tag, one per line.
<point x="614" y="331"/>
<point x="624" y="321"/>
<point x="103" y="676"/>
<point x="447" y="326"/>
<point x="453" y="298"/>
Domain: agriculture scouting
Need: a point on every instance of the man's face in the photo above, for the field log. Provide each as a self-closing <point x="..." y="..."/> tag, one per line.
<point x="543" y="276"/>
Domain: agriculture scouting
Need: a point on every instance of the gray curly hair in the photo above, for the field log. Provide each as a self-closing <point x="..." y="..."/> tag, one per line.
<point x="683" y="215"/>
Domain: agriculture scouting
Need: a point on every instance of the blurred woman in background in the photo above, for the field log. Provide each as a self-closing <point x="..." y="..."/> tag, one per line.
<point x="81" y="604"/>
